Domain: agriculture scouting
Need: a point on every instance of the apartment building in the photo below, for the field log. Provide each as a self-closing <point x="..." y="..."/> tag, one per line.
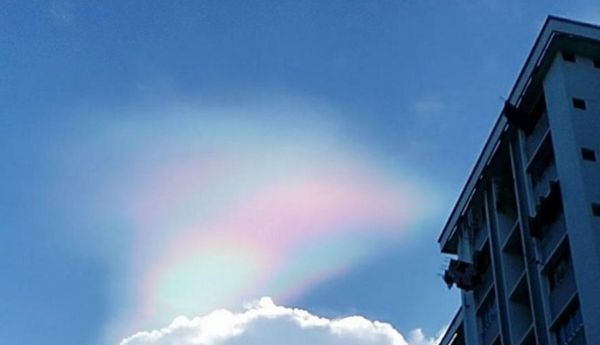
<point x="525" y="231"/>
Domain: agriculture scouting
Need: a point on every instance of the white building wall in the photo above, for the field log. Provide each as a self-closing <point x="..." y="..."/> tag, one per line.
<point x="573" y="129"/>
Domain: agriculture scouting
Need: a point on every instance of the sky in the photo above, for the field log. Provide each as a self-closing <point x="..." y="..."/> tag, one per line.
<point x="234" y="172"/>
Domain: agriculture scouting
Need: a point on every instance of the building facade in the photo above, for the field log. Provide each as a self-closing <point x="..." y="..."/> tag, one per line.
<point x="525" y="231"/>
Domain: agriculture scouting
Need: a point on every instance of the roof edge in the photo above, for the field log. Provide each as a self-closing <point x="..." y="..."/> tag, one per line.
<point x="551" y="26"/>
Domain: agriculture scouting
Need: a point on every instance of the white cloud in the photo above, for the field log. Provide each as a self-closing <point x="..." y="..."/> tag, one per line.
<point x="417" y="337"/>
<point x="264" y="323"/>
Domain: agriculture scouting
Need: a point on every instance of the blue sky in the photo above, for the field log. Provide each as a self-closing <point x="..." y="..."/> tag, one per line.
<point x="303" y="150"/>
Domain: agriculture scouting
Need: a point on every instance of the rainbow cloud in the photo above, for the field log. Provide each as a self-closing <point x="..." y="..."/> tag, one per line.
<point x="226" y="205"/>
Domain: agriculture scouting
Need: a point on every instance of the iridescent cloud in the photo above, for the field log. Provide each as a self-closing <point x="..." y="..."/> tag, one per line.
<point x="227" y="204"/>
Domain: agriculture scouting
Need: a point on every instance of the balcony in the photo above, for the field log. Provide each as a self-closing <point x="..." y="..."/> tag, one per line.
<point x="514" y="270"/>
<point x="553" y="235"/>
<point x="507" y="222"/>
<point x="578" y="338"/>
<point x="487" y="320"/>
<point x="563" y="293"/>
<point x="513" y="261"/>
<point x="483" y="289"/>
<point x="528" y="338"/>
<point x="542" y="187"/>
<point x="481" y="235"/>
<point x="483" y="265"/>
<point x="490" y="333"/>
<point x="548" y="223"/>
<point x="534" y="139"/>
<point x="518" y="291"/>
<point x="512" y="243"/>
<point x="568" y="328"/>
<point x="541" y="169"/>
<point x="519" y="307"/>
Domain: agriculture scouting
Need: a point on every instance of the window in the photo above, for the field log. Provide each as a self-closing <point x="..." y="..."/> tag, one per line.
<point x="579" y="103"/>
<point x="596" y="209"/>
<point x="597" y="63"/>
<point x="569" y="57"/>
<point x="588" y="154"/>
<point x="569" y="327"/>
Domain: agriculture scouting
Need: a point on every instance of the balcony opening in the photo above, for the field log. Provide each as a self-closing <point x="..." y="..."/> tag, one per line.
<point x="559" y="273"/>
<point x="548" y="212"/>
<point x="560" y="280"/>
<point x="525" y="117"/>
<point x="542" y="171"/>
<point x="487" y="319"/>
<point x="475" y="223"/>
<point x="579" y="103"/>
<point x="505" y="195"/>
<point x="570" y="328"/>
<point x="588" y="154"/>
<point x="569" y="57"/>
<point x="483" y="265"/>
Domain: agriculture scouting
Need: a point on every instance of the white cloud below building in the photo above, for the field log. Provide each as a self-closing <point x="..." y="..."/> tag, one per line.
<point x="265" y="323"/>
